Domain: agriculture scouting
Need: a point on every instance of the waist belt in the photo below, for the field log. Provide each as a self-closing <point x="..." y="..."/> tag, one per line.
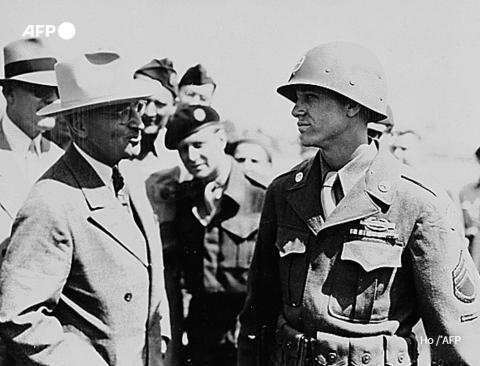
<point x="296" y="349"/>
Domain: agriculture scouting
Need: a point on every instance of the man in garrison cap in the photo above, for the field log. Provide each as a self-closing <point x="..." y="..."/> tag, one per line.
<point x="160" y="106"/>
<point x="354" y="248"/>
<point x="82" y="282"/>
<point x="216" y="224"/>
<point x="196" y="86"/>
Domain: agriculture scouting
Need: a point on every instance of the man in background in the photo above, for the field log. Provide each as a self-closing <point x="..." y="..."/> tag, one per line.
<point x="215" y="226"/>
<point x="28" y="85"/>
<point x="196" y="87"/>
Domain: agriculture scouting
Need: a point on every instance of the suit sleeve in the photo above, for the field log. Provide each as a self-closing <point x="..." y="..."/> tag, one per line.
<point x="33" y="274"/>
<point x="263" y="304"/>
<point x="447" y="284"/>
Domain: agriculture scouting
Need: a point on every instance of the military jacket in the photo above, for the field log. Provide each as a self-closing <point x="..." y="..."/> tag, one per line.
<point x="216" y="257"/>
<point x="392" y="251"/>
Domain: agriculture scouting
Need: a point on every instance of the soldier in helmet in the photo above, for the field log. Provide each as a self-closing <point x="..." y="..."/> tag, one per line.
<point x="354" y="247"/>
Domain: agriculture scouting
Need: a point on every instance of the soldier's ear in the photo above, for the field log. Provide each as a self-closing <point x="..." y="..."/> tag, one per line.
<point x="352" y="108"/>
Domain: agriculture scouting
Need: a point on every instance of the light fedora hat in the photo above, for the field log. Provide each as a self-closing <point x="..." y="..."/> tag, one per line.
<point x="93" y="80"/>
<point x="29" y="60"/>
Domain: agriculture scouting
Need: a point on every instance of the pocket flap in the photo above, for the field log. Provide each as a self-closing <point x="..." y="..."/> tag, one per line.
<point x="372" y="255"/>
<point x="242" y="226"/>
<point x="291" y="242"/>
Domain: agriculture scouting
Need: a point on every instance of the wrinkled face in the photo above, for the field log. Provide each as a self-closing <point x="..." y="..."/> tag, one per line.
<point x="202" y="152"/>
<point x="252" y="158"/>
<point x="321" y="121"/>
<point x="160" y="106"/>
<point x="112" y="133"/>
<point x="197" y="94"/>
<point x="24" y="100"/>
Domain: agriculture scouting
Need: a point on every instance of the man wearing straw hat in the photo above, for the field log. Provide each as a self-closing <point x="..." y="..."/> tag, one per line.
<point x="28" y="85"/>
<point x="82" y="281"/>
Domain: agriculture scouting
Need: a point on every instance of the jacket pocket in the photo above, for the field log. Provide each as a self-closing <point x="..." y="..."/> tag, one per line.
<point x="292" y="247"/>
<point x="362" y="279"/>
<point x="238" y="243"/>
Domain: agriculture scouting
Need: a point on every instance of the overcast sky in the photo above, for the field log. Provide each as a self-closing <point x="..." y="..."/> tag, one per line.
<point x="429" y="48"/>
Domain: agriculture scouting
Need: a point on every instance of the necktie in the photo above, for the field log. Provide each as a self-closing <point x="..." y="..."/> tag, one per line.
<point x="331" y="193"/>
<point x="119" y="186"/>
<point x="33" y="166"/>
<point x="117" y="180"/>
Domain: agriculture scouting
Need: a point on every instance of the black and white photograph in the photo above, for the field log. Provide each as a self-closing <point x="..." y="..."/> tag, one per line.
<point x="243" y="183"/>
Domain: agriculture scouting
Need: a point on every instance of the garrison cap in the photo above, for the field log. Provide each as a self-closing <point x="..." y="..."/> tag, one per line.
<point x="187" y="120"/>
<point x="162" y="71"/>
<point x="196" y="75"/>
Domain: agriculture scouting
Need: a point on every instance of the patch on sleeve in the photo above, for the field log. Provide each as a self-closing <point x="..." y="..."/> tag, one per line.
<point x="463" y="286"/>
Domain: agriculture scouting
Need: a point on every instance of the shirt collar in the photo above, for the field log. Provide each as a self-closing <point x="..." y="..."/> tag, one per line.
<point x="355" y="169"/>
<point x="18" y="141"/>
<point x="103" y="170"/>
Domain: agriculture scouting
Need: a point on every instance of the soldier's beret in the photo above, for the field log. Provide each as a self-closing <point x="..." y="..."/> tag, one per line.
<point x="162" y="71"/>
<point x="188" y="120"/>
<point x="196" y="75"/>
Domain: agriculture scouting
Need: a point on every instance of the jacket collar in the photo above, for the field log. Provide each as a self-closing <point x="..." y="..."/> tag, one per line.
<point x="380" y="184"/>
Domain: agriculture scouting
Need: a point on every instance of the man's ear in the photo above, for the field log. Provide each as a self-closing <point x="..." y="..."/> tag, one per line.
<point x="353" y="108"/>
<point x="8" y="93"/>
<point x="77" y="124"/>
<point x="222" y="135"/>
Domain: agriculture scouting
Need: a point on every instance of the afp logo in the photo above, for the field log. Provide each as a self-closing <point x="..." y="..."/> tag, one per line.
<point x="65" y="30"/>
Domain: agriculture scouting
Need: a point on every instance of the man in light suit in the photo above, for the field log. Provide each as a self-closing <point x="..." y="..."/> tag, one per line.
<point x="28" y="85"/>
<point x="82" y="281"/>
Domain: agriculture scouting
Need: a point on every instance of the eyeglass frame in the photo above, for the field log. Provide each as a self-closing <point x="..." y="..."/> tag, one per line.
<point x="125" y="114"/>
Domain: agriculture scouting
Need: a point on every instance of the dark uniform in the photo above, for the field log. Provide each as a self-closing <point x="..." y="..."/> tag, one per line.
<point x="215" y="260"/>
<point x="390" y="253"/>
<point x="348" y="290"/>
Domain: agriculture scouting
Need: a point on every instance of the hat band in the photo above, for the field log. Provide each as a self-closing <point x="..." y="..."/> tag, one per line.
<point x="26" y="66"/>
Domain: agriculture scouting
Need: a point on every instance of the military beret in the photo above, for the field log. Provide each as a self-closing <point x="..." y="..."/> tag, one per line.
<point x="196" y="75"/>
<point x="162" y="71"/>
<point x="187" y="120"/>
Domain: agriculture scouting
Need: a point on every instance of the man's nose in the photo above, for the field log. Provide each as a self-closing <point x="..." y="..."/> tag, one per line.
<point x="298" y="109"/>
<point x="136" y="121"/>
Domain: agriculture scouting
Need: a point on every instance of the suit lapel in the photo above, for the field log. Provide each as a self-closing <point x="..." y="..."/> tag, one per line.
<point x="106" y="212"/>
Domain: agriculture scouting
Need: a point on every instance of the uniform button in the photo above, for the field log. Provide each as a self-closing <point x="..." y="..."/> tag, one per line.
<point x="366" y="358"/>
<point x="298" y="177"/>
<point x="384" y="186"/>
<point x="332" y="357"/>
<point x="289" y="344"/>
<point x="128" y="297"/>
<point x="401" y="357"/>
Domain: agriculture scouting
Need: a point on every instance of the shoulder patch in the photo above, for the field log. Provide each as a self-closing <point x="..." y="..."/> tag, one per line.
<point x="463" y="287"/>
<point x="416" y="182"/>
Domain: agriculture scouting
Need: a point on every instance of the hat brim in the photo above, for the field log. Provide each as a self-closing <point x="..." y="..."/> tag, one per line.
<point x="133" y="93"/>
<point x="46" y="78"/>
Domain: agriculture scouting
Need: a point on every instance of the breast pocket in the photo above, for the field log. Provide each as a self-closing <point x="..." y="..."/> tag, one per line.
<point x="238" y="243"/>
<point x="292" y="247"/>
<point x="362" y="280"/>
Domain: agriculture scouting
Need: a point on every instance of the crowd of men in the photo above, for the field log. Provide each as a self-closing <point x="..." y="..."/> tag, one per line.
<point x="138" y="227"/>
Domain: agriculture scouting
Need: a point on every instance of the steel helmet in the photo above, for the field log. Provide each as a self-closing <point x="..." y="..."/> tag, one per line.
<point x="346" y="68"/>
